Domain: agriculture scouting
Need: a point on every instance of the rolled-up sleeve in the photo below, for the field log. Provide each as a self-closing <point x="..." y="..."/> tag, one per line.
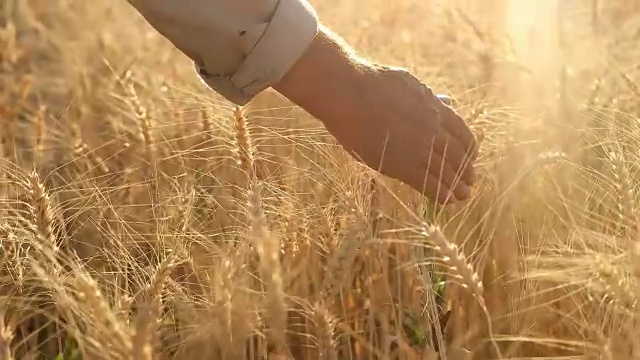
<point x="262" y="40"/>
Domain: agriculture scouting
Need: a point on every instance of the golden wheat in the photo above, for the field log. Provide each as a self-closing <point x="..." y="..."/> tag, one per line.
<point x="165" y="226"/>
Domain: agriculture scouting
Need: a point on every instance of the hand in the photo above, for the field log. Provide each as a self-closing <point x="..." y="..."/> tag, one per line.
<point x="387" y="119"/>
<point x="402" y="129"/>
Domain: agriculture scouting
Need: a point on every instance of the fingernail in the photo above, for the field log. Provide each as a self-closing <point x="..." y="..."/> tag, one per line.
<point x="445" y="99"/>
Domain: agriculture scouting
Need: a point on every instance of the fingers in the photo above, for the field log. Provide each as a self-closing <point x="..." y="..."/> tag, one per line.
<point x="455" y="156"/>
<point x="455" y="142"/>
<point x="435" y="178"/>
<point x="440" y="170"/>
<point x="446" y="99"/>
<point x="456" y="126"/>
<point x="430" y="186"/>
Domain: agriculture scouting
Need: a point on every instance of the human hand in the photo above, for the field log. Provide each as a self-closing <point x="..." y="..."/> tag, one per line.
<point x="408" y="133"/>
<point x="383" y="116"/>
<point x="386" y="118"/>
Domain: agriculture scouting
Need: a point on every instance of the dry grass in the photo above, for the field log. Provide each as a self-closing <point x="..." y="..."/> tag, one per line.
<point x="142" y="217"/>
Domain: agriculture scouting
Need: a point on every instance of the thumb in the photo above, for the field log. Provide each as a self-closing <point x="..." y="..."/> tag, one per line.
<point x="446" y="99"/>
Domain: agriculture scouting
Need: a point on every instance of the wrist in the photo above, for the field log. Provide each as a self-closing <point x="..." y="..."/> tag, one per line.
<point x="327" y="80"/>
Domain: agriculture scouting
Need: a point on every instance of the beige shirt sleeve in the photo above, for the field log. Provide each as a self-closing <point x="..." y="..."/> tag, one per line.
<point x="256" y="43"/>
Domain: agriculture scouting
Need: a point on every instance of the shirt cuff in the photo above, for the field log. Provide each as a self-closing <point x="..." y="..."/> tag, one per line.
<point x="292" y="28"/>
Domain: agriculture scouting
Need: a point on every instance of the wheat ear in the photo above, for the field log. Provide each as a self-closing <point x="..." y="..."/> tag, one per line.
<point x="101" y="313"/>
<point x="325" y="326"/>
<point x="267" y="247"/>
<point x="624" y="188"/>
<point x="244" y="146"/>
<point x="142" y="340"/>
<point x="81" y="150"/>
<point x="6" y="337"/>
<point x="42" y="216"/>
<point x="40" y="129"/>
<point x="463" y="272"/>
<point x="144" y="122"/>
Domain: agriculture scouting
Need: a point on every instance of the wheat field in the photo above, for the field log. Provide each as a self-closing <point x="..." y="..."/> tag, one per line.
<point x="143" y="217"/>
